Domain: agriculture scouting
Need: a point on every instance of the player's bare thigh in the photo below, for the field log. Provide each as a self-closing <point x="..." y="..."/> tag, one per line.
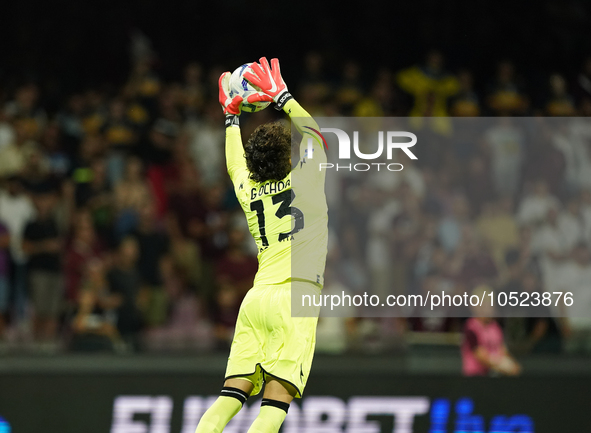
<point x="242" y="384"/>
<point x="279" y="390"/>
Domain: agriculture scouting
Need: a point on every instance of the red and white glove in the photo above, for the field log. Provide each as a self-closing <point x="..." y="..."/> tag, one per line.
<point x="231" y="106"/>
<point x="269" y="81"/>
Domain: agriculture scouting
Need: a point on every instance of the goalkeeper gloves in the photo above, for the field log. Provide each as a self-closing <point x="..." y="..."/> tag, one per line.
<point x="269" y="81"/>
<point x="233" y="106"/>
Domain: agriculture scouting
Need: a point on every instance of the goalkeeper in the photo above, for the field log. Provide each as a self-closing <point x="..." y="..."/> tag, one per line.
<point x="289" y="225"/>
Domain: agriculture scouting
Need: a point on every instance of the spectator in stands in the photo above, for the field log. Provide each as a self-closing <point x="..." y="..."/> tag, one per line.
<point x="188" y="204"/>
<point x="4" y="278"/>
<point x="498" y="228"/>
<point x="441" y="319"/>
<point x="209" y="230"/>
<point x="91" y="147"/>
<point x="349" y="90"/>
<point x="505" y="94"/>
<point x="187" y="326"/>
<point x="541" y="331"/>
<point x="585" y="107"/>
<point x="313" y="80"/>
<point x="120" y="136"/>
<point x="336" y="335"/>
<point x="411" y="178"/>
<point x="43" y="244"/>
<point x="471" y="263"/>
<point x="575" y="275"/>
<point x="13" y="156"/>
<point x="131" y="194"/>
<point x="7" y="134"/>
<point x="154" y="246"/>
<point x="83" y="248"/>
<point x="193" y="89"/>
<point x="352" y="261"/>
<point x="466" y="102"/>
<point x="143" y="81"/>
<point x="94" y="193"/>
<point x="431" y="256"/>
<point x="559" y="103"/>
<point x="125" y="281"/>
<point x="583" y="81"/>
<point x="536" y="203"/>
<point x="431" y="86"/>
<point x="35" y="171"/>
<point x="235" y="271"/>
<point x="478" y="182"/>
<point x="70" y="121"/>
<point x="549" y="241"/>
<point x="185" y="254"/>
<point x="206" y="145"/>
<point x="548" y="158"/>
<point x="571" y="223"/>
<point x="237" y="267"/>
<point x="96" y="111"/>
<point x="572" y="142"/>
<point x="506" y="145"/>
<point x="93" y="324"/>
<point x="404" y="242"/>
<point x="157" y="146"/>
<point x="16" y="210"/>
<point x="451" y="227"/>
<point x="483" y="347"/>
<point x="383" y="100"/>
<point x="25" y="111"/>
<point x="57" y="160"/>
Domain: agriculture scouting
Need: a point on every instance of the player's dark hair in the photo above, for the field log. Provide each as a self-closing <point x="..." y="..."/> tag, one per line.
<point x="268" y="152"/>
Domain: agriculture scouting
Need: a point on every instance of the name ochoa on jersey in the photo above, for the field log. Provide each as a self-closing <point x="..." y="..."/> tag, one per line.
<point x="269" y="188"/>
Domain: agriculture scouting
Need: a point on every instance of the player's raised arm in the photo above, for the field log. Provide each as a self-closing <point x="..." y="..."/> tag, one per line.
<point x="232" y="107"/>
<point x="269" y="80"/>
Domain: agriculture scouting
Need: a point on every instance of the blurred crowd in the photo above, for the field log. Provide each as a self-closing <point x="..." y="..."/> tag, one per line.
<point x="120" y="231"/>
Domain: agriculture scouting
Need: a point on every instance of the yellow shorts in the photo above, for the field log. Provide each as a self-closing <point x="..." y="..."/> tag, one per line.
<point x="269" y="342"/>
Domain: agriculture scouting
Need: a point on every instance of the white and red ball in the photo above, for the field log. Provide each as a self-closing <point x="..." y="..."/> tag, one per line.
<point x="240" y="86"/>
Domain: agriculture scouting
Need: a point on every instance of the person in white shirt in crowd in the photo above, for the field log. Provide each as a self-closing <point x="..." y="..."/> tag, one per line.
<point x="550" y="246"/>
<point x="574" y="143"/>
<point x="206" y="146"/>
<point x="410" y="175"/>
<point x="506" y="145"/>
<point x="16" y="210"/>
<point x="549" y="240"/>
<point x="571" y="223"/>
<point x="534" y="206"/>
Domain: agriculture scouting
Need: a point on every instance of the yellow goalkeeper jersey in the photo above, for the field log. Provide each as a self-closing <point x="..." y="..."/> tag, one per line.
<point x="288" y="218"/>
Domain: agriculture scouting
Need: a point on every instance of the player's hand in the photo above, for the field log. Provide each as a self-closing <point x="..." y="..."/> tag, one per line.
<point x="269" y="80"/>
<point x="231" y="106"/>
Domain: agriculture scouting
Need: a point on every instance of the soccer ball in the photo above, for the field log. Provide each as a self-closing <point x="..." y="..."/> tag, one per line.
<point x="240" y="86"/>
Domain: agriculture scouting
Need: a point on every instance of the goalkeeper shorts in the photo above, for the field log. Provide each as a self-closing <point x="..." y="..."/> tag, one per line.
<point x="270" y="343"/>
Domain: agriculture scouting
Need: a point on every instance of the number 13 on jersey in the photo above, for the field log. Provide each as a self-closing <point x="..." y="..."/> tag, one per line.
<point x="269" y="229"/>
